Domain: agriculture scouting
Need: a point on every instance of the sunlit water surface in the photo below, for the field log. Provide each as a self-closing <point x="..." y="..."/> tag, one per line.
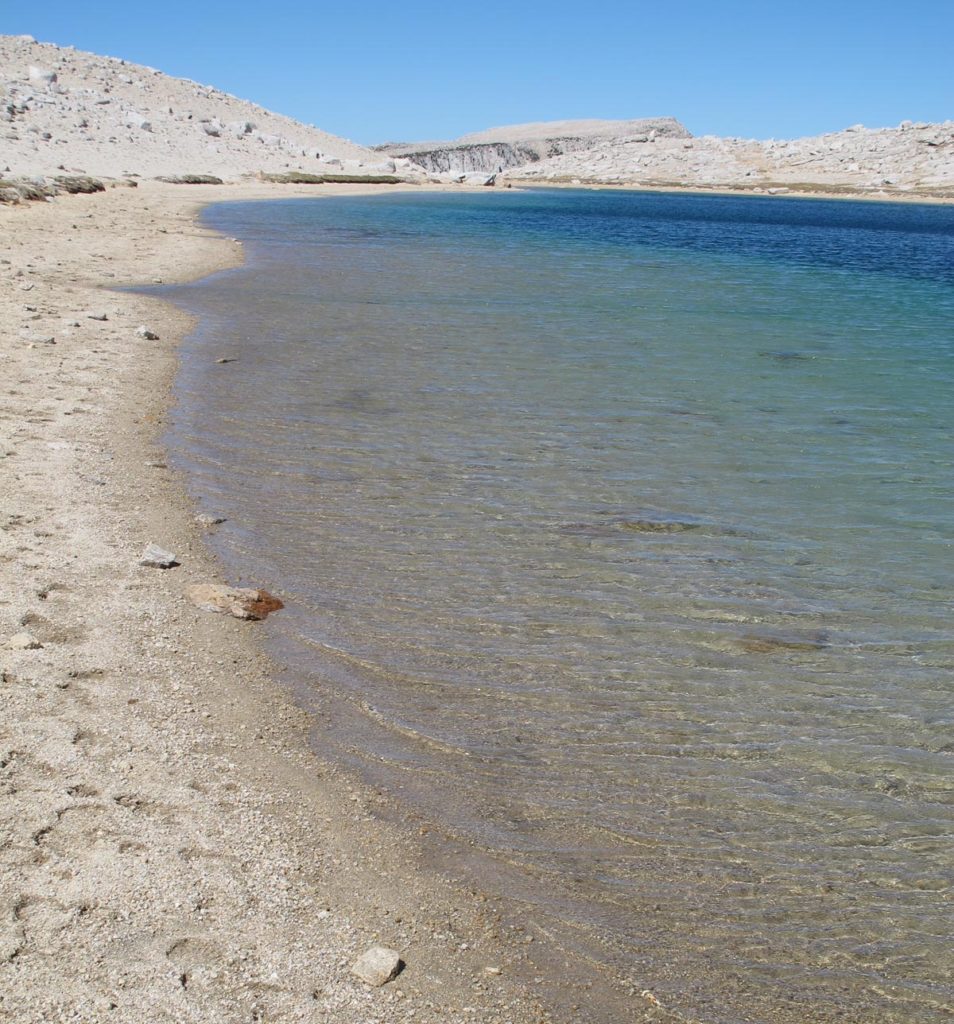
<point x="616" y="537"/>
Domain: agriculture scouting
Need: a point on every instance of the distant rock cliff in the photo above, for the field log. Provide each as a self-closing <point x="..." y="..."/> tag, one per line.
<point x="501" y="149"/>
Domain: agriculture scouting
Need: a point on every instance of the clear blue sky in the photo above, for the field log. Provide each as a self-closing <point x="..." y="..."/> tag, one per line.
<point x="374" y="71"/>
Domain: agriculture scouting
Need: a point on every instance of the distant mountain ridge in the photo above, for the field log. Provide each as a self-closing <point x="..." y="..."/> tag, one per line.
<point x="911" y="158"/>
<point x="64" y="111"/>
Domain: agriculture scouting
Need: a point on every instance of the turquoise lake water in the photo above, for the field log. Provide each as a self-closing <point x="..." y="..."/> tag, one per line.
<point x="616" y="532"/>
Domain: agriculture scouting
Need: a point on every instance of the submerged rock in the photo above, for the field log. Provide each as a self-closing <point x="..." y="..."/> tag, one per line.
<point x="377" y="966"/>
<point x="658" y="525"/>
<point x="240" y="602"/>
<point x="768" y="644"/>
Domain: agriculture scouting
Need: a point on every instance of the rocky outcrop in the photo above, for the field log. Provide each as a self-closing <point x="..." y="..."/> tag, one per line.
<point x="501" y="149"/>
<point x="481" y="158"/>
<point x="913" y="157"/>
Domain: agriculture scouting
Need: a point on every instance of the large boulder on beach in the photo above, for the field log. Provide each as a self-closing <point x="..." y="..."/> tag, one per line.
<point x="240" y="602"/>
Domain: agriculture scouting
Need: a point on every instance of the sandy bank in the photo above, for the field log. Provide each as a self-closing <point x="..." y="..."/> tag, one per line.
<point x="169" y="849"/>
<point x="846" y="194"/>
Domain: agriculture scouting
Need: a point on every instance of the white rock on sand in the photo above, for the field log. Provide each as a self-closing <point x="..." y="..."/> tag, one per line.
<point x="377" y="966"/>
<point x="156" y="557"/>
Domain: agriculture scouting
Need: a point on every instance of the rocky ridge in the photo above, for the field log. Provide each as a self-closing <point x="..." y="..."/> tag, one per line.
<point x="64" y="110"/>
<point x="517" y="146"/>
<point x="913" y="158"/>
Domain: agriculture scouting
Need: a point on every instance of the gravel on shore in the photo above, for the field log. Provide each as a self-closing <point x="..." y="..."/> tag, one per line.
<point x="170" y="850"/>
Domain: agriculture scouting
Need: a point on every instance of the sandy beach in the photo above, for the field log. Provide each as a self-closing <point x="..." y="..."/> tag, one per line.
<point x="177" y="841"/>
<point x="171" y="849"/>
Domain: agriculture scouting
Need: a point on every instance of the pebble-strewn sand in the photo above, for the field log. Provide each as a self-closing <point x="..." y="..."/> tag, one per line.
<point x="169" y="849"/>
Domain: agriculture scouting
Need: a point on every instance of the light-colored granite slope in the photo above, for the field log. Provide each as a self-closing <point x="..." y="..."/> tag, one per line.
<point x="909" y="157"/>
<point x="912" y="158"/>
<point x="63" y="110"/>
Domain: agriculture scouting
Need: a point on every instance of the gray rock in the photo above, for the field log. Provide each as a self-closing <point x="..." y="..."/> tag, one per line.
<point x="156" y="557"/>
<point x="96" y="316"/>
<point x="143" y="332"/>
<point x="377" y="966"/>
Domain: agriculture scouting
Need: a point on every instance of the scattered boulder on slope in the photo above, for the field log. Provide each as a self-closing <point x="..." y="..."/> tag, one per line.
<point x="104" y="117"/>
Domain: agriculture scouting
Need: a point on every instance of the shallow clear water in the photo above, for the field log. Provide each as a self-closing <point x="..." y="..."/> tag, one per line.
<point x="616" y="535"/>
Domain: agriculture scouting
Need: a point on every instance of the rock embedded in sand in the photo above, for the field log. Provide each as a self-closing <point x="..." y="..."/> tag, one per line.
<point x="377" y="966"/>
<point x="23" y="642"/>
<point x="240" y="602"/>
<point x="143" y="332"/>
<point x="156" y="558"/>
